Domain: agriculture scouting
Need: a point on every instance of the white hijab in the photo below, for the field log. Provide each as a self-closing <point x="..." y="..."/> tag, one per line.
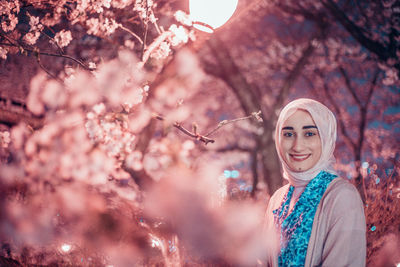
<point x="326" y="124"/>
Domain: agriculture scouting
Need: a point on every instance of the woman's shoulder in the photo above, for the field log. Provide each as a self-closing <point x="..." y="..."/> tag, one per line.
<point x="281" y="191"/>
<point x="342" y="187"/>
<point x="341" y="193"/>
<point x="277" y="197"/>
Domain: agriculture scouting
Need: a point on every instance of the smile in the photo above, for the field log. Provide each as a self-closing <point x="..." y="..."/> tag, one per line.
<point x="299" y="157"/>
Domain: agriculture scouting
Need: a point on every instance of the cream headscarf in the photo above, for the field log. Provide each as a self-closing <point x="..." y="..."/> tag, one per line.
<point x="326" y="124"/>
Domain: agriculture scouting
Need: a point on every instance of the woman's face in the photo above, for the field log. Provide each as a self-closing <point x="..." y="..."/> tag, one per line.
<point x="300" y="142"/>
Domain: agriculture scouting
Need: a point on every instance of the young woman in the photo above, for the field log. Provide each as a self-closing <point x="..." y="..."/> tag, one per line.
<point x="318" y="217"/>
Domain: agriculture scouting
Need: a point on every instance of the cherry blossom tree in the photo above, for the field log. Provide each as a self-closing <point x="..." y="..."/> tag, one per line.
<point x="91" y="172"/>
<point x="115" y="151"/>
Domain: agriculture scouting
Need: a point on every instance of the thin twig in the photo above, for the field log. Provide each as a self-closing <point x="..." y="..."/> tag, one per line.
<point x="255" y="115"/>
<point x="63" y="56"/>
<point x="131" y="32"/>
<point x="23" y="48"/>
<point x="35" y="50"/>
<point x="342" y="127"/>
<point x="159" y="31"/>
<point x="46" y="70"/>
<point x="146" y="28"/>
<point x="197" y="136"/>
<point x="53" y="41"/>
<point x="156" y="43"/>
<point x="204" y="138"/>
<point x="350" y="88"/>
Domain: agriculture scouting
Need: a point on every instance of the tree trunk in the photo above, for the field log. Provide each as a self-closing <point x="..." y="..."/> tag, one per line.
<point x="229" y="72"/>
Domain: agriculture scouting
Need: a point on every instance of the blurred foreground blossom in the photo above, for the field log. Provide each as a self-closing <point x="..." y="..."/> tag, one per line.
<point x="5" y="139"/>
<point x="225" y="233"/>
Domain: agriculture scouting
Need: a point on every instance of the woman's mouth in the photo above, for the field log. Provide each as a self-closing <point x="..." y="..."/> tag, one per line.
<point x="299" y="157"/>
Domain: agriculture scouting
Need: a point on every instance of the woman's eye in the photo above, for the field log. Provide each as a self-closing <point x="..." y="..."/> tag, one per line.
<point x="287" y="134"/>
<point x="308" y="134"/>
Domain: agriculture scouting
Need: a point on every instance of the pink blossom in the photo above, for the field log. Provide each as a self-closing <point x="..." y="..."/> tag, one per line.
<point x="51" y="19"/>
<point x="31" y="37"/>
<point x="110" y="26"/>
<point x="121" y="3"/>
<point x="6" y="7"/>
<point x="3" y="52"/>
<point x="134" y="160"/>
<point x="390" y="77"/>
<point x="162" y="51"/>
<point x="9" y="25"/>
<point x="180" y="35"/>
<point x="99" y="109"/>
<point x="92" y="65"/>
<point x="18" y="135"/>
<point x="129" y="44"/>
<point x="5" y="139"/>
<point x="54" y="95"/>
<point x="104" y="26"/>
<point x="34" y="102"/>
<point x="33" y="21"/>
<point x="98" y="5"/>
<point x="63" y="38"/>
<point x="94" y="26"/>
<point x="183" y="18"/>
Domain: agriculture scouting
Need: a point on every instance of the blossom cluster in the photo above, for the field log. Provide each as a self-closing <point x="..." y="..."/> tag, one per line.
<point x="35" y="30"/>
<point x="8" y="13"/>
<point x="176" y="36"/>
<point x="145" y="10"/>
<point x="111" y="131"/>
<point x="63" y="38"/>
<point x="100" y="26"/>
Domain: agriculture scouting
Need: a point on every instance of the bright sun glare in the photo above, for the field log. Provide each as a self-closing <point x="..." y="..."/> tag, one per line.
<point x="211" y="12"/>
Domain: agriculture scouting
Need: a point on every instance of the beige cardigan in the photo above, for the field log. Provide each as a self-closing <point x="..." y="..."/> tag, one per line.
<point x="338" y="235"/>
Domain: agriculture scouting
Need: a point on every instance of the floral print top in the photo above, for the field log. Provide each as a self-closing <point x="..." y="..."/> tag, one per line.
<point x="295" y="228"/>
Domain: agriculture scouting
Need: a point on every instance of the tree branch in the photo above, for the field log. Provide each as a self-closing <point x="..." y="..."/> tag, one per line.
<point x="355" y="31"/>
<point x="347" y="138"/>
<point x="130" y="32"/>
<point x="204" y="138"/>
<point x="234" y="147"/>
<point x="197" y="136"/>
<point x="37" y="51"/>
<point x="156" y="43"/>
<point x="46" y="70"/>
<point x="372" y="87"/>
<point x="292" y="76"/>
<point x="255" y="115"/>
<point x="350" y="88"/>
<point x="141" y="177"/>
<point x="230" y="73"/>
<point x="254" y="171"/>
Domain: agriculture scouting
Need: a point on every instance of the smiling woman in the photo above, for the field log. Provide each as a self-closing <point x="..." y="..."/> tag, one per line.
<point x="318" y="218"/>
<point x="300" y="143"/>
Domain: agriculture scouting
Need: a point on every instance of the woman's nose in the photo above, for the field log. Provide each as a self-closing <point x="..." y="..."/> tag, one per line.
<point x="298" y="144"/>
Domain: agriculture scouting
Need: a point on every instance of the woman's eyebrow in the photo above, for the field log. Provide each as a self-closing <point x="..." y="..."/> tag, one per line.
<point x="304" y="127"/>
<point x="287" y="128"/>
<point x="309" y="127"/>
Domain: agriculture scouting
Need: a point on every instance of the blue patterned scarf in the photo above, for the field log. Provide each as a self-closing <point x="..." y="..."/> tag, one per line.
<point x="296" y="228"/>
